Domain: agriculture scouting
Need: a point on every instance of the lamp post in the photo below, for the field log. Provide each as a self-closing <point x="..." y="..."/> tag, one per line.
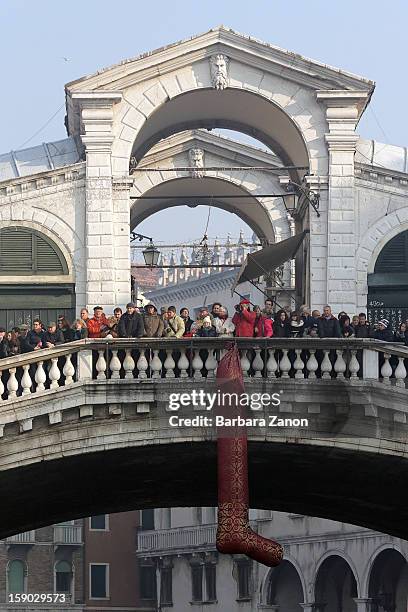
<point x="151" y="254"/>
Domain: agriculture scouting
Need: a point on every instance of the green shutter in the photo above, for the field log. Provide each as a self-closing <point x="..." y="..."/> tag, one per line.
<point x="394" y="256"/>
<point x="26" y="252"/>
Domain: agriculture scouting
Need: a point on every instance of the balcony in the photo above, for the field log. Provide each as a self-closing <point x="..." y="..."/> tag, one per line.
<point x="68" y="535"/>
<point x="27" y="537"/>
<point x="177" y="540"/>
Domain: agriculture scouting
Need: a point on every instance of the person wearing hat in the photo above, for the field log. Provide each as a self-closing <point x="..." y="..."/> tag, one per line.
<point x="53" y="336"/>
<point x="244" y="320"/>
<point x="131" y="323"/>
<point x="207" y="329"/>
<point x="153" y="323"/>
<point x="97" y="324"/>
<point x="383" y="331"/>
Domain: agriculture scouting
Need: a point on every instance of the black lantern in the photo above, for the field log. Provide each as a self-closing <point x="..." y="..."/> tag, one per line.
<point x="151" y="255"/>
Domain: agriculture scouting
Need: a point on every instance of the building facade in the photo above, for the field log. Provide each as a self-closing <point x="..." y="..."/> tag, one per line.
<point x="328" y="566"/>
<point x="70" y="205"/>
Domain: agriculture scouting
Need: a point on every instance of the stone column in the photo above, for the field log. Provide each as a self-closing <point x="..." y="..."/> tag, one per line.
<point x="313" y="607"/>
<point x="343" y="110"/>
<point x="102" y="267"/>
<point x="363" y="604"/>
<point x="121" y="241"/>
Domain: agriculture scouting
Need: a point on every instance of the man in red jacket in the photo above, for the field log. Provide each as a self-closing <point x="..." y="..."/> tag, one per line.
<point x="97" y="324"/>
<point x="244" y="320"/>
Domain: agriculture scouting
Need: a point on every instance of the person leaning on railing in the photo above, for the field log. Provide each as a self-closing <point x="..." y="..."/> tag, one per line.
<point x="131" y="323"/>
<point x="153" y="323"/>
<point x="79" y="330"/>
<point x="173" y="324"/>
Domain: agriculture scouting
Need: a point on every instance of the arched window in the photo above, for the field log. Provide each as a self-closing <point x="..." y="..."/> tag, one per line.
<point x="24" y="251"/>
<point x="63" y="577"/>
<point x="394" y="256"/>
<point x="16" y="576"/>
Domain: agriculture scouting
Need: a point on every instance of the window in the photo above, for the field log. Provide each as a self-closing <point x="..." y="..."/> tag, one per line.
<point x="203" y="582"/>
<point x="210" y="582"/>
<point x="25" y="251"/>
<point x="63" y="577"/>
<point x="147" y="520"/>
<point x="198" y="519"/>
<point x="99" y="580"/>
<point x="197" y="583"/>
<point x="166" y="586"/>
<point x="147" y="582"/>
<point x="99" y="522"/>
<point x="16" y="576"/>
<point x="244" y="579"/>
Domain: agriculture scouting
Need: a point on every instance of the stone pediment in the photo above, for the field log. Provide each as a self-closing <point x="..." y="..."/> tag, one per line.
<point x="239" y="47"/>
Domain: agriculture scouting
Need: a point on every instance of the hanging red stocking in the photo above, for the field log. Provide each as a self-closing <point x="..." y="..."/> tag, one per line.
<point x="234" y="534"/>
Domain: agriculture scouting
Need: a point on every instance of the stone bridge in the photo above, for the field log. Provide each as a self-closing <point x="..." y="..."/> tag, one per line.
<point x="88" y="428"/>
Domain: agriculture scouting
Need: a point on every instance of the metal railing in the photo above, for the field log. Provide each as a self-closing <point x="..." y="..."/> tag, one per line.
<point x="197" y="358"/>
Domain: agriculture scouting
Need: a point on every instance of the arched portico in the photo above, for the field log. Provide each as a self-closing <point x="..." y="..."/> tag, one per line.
<point x="233" y="108"/>
<point x="336" y="583"/>
<point x="250" y="210"/>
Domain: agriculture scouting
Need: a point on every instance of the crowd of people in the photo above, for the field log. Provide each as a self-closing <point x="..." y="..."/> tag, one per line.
<point x="246" y="322"/>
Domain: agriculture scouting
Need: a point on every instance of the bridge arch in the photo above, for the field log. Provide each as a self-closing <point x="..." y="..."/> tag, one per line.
<point x="371" y="245"/>
<point x="266" y="223"/>
<point x="336" y="581"/>
<point x="232" y="108"/>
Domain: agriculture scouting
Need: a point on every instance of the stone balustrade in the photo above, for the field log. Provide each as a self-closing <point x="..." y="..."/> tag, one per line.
<point x="200" y="537"/>
<point x="197" y="358"/>
<point x="67" y="534"/>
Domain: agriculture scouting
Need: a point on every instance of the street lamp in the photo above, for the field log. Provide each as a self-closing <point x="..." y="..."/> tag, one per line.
<point x="151" y="255"/>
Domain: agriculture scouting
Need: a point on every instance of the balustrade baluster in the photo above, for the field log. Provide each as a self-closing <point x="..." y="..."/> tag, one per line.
<point x="245" y="363"/>
<point x="68" y="370"/>
<point x="258" y="364"/>
<point x="169" y="365"/>
<point x="128" y="364"/>
<point x="101" y="365"/>
<point x="298" y="364"/>
<point x="285" y="364"/>
<point x="40" y="377"/>
<point x="400" y="373"/>
<point x="115" y="365"/>
<point x="26" y="381"/>
<point x="271" y="364"/>
<point x="183" y="364"/>
<point x="1" y="385"/>
<point x="326" y="366"/>
<point x="340" y="365"/>
<point x="54" y="373"/>
<point x="211" y="364"/>
<point x="354" y="366"/>
<point x="386" y="369"/>
<point x="156" y="365"/>
<point x="312" y="364"/>
<point x="197" y="364"/>
<point x="142" y="365"/>
<point x="12" y="384"/>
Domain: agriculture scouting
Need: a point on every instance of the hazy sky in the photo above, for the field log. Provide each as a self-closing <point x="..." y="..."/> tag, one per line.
<point x="45" y="43"/>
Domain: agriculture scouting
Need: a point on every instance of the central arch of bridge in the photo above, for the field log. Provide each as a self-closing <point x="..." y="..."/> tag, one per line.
<point x="235" y="109"/>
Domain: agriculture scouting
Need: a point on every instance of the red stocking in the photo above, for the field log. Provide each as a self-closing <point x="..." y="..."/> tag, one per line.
<point x="234" y="534"/>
